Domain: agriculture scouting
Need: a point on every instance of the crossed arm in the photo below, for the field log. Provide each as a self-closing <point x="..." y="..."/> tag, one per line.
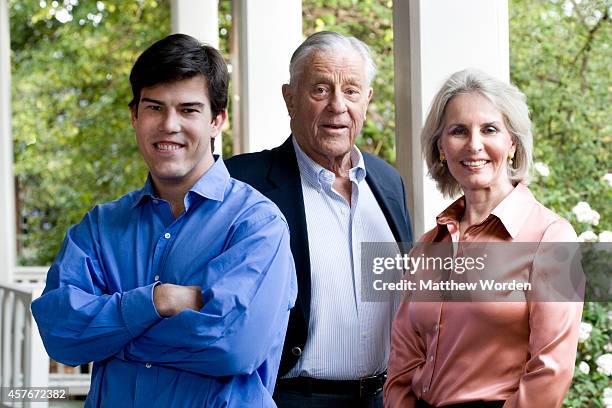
<point x="225" y="329"/>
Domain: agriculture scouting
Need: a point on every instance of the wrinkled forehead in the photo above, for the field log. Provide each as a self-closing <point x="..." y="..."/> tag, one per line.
<point x="345" y="64"/>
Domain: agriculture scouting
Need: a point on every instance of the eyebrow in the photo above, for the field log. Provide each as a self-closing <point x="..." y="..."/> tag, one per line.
<point x="493" y="123"/>
<point x="329" y="80"/>
<point x="182" y="105"/>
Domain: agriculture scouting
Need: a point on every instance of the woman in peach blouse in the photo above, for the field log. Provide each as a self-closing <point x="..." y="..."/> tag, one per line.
<point x="477" y="140"/>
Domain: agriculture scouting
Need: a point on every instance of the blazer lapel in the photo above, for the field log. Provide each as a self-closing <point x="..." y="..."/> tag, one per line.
<point x="389" y="204"/>
<point x="284" y="174"/>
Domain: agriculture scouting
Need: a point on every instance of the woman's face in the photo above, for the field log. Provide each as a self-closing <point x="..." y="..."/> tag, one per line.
<point x="476" y="144"/>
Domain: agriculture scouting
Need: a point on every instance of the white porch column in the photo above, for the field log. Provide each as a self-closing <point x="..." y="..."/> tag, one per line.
<point x="267" y="33"/>
<point x="199" y="19"/>
<point x="7" y="187"/>
<point x="433" y="39"/>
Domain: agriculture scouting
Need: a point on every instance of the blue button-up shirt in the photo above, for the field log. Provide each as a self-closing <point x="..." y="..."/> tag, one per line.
<point x="98" y="303"/>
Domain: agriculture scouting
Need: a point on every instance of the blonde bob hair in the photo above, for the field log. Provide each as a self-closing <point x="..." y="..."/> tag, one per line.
<point x="505" y="97"/>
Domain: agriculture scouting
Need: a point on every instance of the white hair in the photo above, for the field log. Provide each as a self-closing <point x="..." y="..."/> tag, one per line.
<point x="329" y="42"/>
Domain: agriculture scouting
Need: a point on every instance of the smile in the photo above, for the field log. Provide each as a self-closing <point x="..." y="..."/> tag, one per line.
<point x="167" y="146"/>
<point x="474" y="163"/>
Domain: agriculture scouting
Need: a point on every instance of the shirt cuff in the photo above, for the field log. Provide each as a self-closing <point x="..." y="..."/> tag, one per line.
<point x="138" y="310"/>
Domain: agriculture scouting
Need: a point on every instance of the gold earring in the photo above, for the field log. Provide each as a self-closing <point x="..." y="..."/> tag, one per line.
<point x="510" y="157"/>
<point x="442" y="157"/>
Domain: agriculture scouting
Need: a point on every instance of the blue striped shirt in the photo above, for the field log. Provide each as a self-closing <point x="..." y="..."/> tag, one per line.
<point x="347" y="338"/>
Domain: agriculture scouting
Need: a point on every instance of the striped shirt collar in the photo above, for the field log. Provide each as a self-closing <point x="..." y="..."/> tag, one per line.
<point x="318" y="176"/>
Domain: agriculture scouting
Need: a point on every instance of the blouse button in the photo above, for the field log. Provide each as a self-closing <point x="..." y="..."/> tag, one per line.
<point x="167" y="235"/>
<point x="296" y="351"/>
<point x="148" y="365"/>
<point x="425" y="389"/>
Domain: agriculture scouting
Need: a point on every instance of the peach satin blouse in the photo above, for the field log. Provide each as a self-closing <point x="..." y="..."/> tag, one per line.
<point x="520" y="352"/>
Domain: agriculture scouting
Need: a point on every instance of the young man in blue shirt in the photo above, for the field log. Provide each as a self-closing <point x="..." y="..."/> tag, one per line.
<point x="178" y="292"/>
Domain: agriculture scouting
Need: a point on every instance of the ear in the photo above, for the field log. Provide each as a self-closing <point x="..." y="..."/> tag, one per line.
<point x="217" y="123"/>
<point x="134" y="115"/>
<point x="288" y="97"/>
<point x="369" y="95"/>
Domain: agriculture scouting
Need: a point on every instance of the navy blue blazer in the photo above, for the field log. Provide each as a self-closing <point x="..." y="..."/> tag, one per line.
<point x="275" y="174"/>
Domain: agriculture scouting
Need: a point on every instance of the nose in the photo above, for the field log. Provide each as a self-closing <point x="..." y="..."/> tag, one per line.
<point x="337" y="103"/>
<point x="170" y="122"/>
<point x="475" y="141"/>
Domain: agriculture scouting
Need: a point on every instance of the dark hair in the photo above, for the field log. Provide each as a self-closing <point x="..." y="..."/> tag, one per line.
<point x="177" y="57"/>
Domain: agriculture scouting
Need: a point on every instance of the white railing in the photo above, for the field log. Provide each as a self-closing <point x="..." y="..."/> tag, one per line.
<point x="31" y="275"/>
<point x="23" y="359"/>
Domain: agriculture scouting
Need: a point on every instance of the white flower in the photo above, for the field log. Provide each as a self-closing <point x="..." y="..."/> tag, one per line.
<point x="607" y="397"/>
<point x="584" y="332"/>
<point x="608" y="347"/>
<point x="604" y="364"/>
<point x="608" y="178"/>
<point x="584" y="367"/>
<point x="595" y="217"/>
<point x="584" y="213"/>
<point x="542" y="169"/>
<point x="587" y="236"/>
<point x="605" y="236"/>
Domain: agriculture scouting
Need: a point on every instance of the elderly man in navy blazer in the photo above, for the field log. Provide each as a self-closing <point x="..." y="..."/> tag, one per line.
<point x="334" y="197"/>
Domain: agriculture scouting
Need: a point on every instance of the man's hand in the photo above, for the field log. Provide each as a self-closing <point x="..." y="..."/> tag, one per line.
<point x="172" y="299"/>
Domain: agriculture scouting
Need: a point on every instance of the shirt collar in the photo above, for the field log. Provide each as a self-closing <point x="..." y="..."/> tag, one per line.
<point x="317" y="176"/>
<point x="212" y="184"/>
<point x="511" y="211"/>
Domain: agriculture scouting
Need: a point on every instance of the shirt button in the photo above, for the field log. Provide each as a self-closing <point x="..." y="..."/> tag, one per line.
<point x="156" y="277"/>
<point x="364" y="334"/>
<point x="425" y="388"/>
<point x="296" y="351"/>
<point x="430" y="358"/>
<point x="155" y="201"/>
<point x="436" y="327"/>
<point x="148" y="365"/>
<point x="167" y="235"/>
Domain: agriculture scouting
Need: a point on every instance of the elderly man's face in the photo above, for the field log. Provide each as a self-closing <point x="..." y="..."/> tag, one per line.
<point x="329" y="104"/>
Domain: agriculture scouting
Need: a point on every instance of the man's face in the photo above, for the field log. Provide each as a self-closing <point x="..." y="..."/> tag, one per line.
<point x="328" y="104"/>
<point x="174" y="127"/>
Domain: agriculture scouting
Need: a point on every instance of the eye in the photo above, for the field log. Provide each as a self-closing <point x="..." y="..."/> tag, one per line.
<point x="320" y="90"/>
<point x="351" y="92"/>
<point x="189" y="110"/>
<point x="458" y="131"/>
<point x="153" y="107"/>
<point x="489" y="130"/>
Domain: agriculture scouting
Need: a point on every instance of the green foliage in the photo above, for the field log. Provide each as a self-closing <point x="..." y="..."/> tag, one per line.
<point x="73" y="142"/>
<point x="587" y="389"/>
<point x="560" y="58"/>
<point x="371" y="22"/>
